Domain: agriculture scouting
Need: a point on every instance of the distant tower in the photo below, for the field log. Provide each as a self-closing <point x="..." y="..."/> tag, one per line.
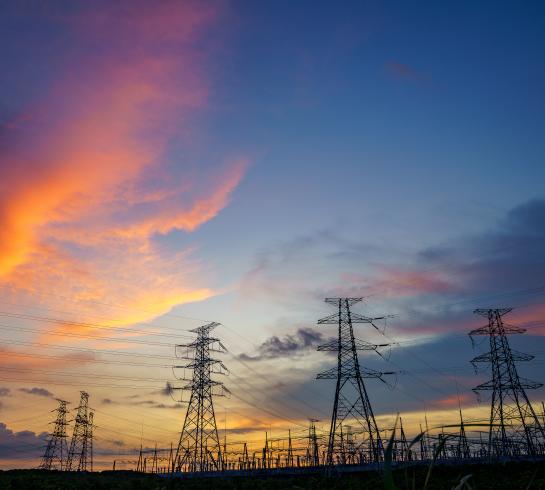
<point x="56" y="451"/>
<point x="79" y="456"/>
<point x="199" y="448"/>
<point x="313" y="454"/>
<point x="351" y="400"/>
<point x="514" y="426"/>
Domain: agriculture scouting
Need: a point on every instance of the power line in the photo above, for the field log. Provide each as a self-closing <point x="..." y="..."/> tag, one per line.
<point x="80" y="349"/>
<point x="84" y="336"/>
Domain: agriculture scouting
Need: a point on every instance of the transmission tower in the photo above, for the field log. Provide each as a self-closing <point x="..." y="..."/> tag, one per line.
<point x="514" y="426"/>
<point x="56" y="451"/>
<point x="313" y="455"/>
<point x="199" y="448"/>
<point x="351" y="399"/>
<point x="80" y="454"/>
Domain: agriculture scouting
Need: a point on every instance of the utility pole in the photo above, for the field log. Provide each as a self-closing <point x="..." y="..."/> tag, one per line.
<point x="56" y="451"/>
<point x="199" y="448"/>
<point x="351" y="399"/>
<point x="78" y="457"/>
<point x="510" y="408"/>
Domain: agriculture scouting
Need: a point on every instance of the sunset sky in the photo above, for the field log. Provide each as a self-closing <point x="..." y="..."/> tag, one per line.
<point x="166" y="164"/>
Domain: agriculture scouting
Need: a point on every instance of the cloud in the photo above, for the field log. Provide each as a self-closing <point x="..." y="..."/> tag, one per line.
<point x="397" y="281"/>
<point x="38" y="392"/>
<point x="93" y="177"/>
<point x="106" y="401"/>
<point x="304" y="339"/>
<point x="4" y="391"/>
<point x="21" y="445"/>
<point x="455" y="401"/>
<point x="24" y="363"/>
<point x="403" y="71"/>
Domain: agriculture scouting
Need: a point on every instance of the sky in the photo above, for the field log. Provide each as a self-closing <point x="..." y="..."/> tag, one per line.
<point x="166" y="164"/>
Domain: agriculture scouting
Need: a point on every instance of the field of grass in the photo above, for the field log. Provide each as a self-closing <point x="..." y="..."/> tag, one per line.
<point x="510" y="476"/>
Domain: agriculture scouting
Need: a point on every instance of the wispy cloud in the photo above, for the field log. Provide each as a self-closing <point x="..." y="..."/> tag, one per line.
<point x="89" y="182"/>
<point x="403" y="71"/>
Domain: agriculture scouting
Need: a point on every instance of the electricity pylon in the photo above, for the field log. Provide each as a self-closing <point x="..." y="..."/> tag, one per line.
<point x="313" y="455"/>
<point x="199" y="448"/>
<point x="56" y="451"/>
<point x="351" y="399"/>
<point x="514" y="426"/>
<point x="79" y="456"/>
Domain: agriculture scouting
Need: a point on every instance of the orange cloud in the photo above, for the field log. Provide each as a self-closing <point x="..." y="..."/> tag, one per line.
<point x="85" y="186"/>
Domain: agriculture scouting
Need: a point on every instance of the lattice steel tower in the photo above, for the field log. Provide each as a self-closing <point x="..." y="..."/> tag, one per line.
<point x="56" y="451"/>
<point x="199" y="448"/>
<point x="80" y="455"/>
<point x="351" y="399"/>
<point x="514" y="427"/>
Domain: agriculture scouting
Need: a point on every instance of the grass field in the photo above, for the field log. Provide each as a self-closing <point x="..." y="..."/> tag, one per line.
<point x="509" y="476"/>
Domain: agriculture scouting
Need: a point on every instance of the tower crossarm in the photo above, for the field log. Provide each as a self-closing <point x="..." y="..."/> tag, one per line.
<point x="522" y="383"/>
<point x="205" y="329"/>
<point x="515" y="356"/>
<point x="495" y="331"/>
<point x="333" y="345"/>
<point x="371" y="373"/>
<point x="354" y="317"/>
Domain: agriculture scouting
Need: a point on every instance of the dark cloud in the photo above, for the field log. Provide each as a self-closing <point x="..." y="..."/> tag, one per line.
<point x="274" y="347"/>
<point x="38" y="392"/>
<point x="4" y="391"/>
<point x="135" y="401"/>
<point x="21" y="445"/>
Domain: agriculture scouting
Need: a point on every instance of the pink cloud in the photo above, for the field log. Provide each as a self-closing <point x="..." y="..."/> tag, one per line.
<point x="79" y="176"/>
<point x="453" y="401"/>
<point x="398" y="282"/>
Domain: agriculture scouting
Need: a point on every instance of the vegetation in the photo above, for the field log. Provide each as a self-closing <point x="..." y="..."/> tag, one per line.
<point x="509" y="476"/>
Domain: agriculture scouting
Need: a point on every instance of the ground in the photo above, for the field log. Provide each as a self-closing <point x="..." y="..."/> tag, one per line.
<point x="510" y="476"/>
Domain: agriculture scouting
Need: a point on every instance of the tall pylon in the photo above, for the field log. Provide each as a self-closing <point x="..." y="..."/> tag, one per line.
<point x="199" y="448"/>
<point x="351" y="399"/>
<point x="56" y="451"/>
<point x="514" y="426"/>
<point x="79" y="456"/>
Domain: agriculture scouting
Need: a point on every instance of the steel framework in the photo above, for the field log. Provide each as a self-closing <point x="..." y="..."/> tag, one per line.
<point x="80" y="456"/>
<point x="514" y="427"/>
<point x="351" y="399"/>
<point x="56" y="450"/>
<point x="199" y="448"/>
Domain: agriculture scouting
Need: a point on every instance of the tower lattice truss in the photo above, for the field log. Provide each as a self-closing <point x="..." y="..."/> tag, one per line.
<point x="352" y="407"/>
<point x="514" y="427"/>
<point x="199" y="448"/>
<point x="56" y="452"/>
<point x="80" y="455"/>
